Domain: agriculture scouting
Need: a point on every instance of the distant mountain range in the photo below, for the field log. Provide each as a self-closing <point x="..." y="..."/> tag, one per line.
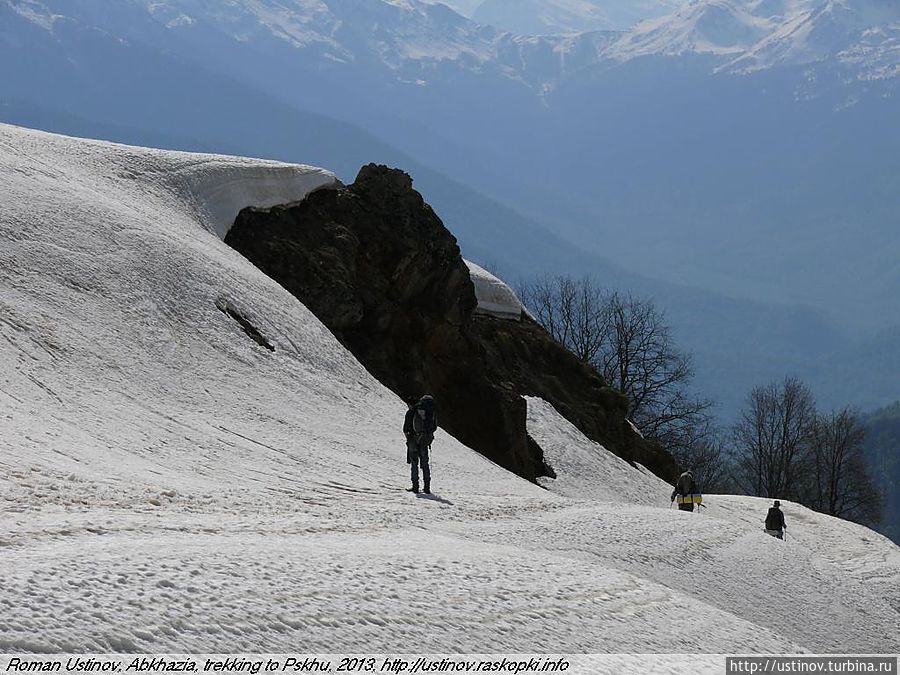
<point x="412" y="37"/>
<point x="729" y="155"/>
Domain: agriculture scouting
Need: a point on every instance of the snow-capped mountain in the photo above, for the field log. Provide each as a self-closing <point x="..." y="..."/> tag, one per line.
<point x="752" y="35"/>
<point x="862" y="35"/>
<point x="542" y="17"/>
<point x="337" y="31"/>
<point x="719" y="27"/>
<point x="168" y="484"/>
<point x="464" y="7"/>
<point x="406" y="42"/>
<point x="416" y="40"/>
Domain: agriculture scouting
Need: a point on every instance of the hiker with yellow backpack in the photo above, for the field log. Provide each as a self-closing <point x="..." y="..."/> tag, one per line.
<point x="686" y="492"/>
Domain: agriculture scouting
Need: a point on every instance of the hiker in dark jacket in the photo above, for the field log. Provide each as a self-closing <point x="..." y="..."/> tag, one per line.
<point x="775" y="521"/>
<point x="684" y="486"/>
<point x="419" y="426"/>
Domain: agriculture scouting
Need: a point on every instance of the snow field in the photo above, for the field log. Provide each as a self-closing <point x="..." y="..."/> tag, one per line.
<point x="720" y="553"/>
<point x="168" y="485"/>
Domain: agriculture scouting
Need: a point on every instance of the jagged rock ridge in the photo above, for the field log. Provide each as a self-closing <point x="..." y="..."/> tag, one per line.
<point x="376" y="265"/>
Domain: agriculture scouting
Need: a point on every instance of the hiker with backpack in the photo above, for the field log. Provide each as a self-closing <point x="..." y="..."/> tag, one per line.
<point x="775" y="521"/>
<point x="685" y="487"/>
<point x="419" y="426"/>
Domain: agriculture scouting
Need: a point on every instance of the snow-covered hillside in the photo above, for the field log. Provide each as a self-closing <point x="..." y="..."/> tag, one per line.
<point x="169" y="483"/>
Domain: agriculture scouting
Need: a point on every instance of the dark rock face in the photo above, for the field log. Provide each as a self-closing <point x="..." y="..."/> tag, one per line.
<point x="377" y="266"/>
<point x="523" y="357"/>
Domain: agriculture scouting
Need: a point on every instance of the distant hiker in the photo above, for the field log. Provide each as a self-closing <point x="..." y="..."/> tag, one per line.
<point x="419" y="426"/>
<point x="685" y="488"/>
<point x="775" y="521"/>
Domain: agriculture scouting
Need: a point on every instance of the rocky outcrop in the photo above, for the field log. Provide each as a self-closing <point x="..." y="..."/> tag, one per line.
<point x="376" y="265"/>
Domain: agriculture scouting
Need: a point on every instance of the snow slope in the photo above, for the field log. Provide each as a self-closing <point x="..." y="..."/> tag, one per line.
<point x="168" y="484"/>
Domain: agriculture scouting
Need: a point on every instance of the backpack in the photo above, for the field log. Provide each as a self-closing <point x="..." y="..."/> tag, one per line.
<point x="685" y="484"/>
<point x="424" y="422"/>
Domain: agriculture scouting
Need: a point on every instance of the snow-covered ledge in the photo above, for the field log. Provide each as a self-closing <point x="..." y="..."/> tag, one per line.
<point x="221" y="186"/>
<point x="494" y="297"/>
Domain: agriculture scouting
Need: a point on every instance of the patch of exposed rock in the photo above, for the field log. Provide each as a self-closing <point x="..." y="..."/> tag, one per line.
<point x="374" y="262"/>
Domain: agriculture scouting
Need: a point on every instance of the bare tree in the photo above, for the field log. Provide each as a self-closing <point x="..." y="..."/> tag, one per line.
<point x="840" y="484"/>
<point x="773" y="439"/>
<point x="573" y="312"/>
<point x="628" y="341"/>
<point x="639" y="359"/>
<point x="708" y="458"/>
